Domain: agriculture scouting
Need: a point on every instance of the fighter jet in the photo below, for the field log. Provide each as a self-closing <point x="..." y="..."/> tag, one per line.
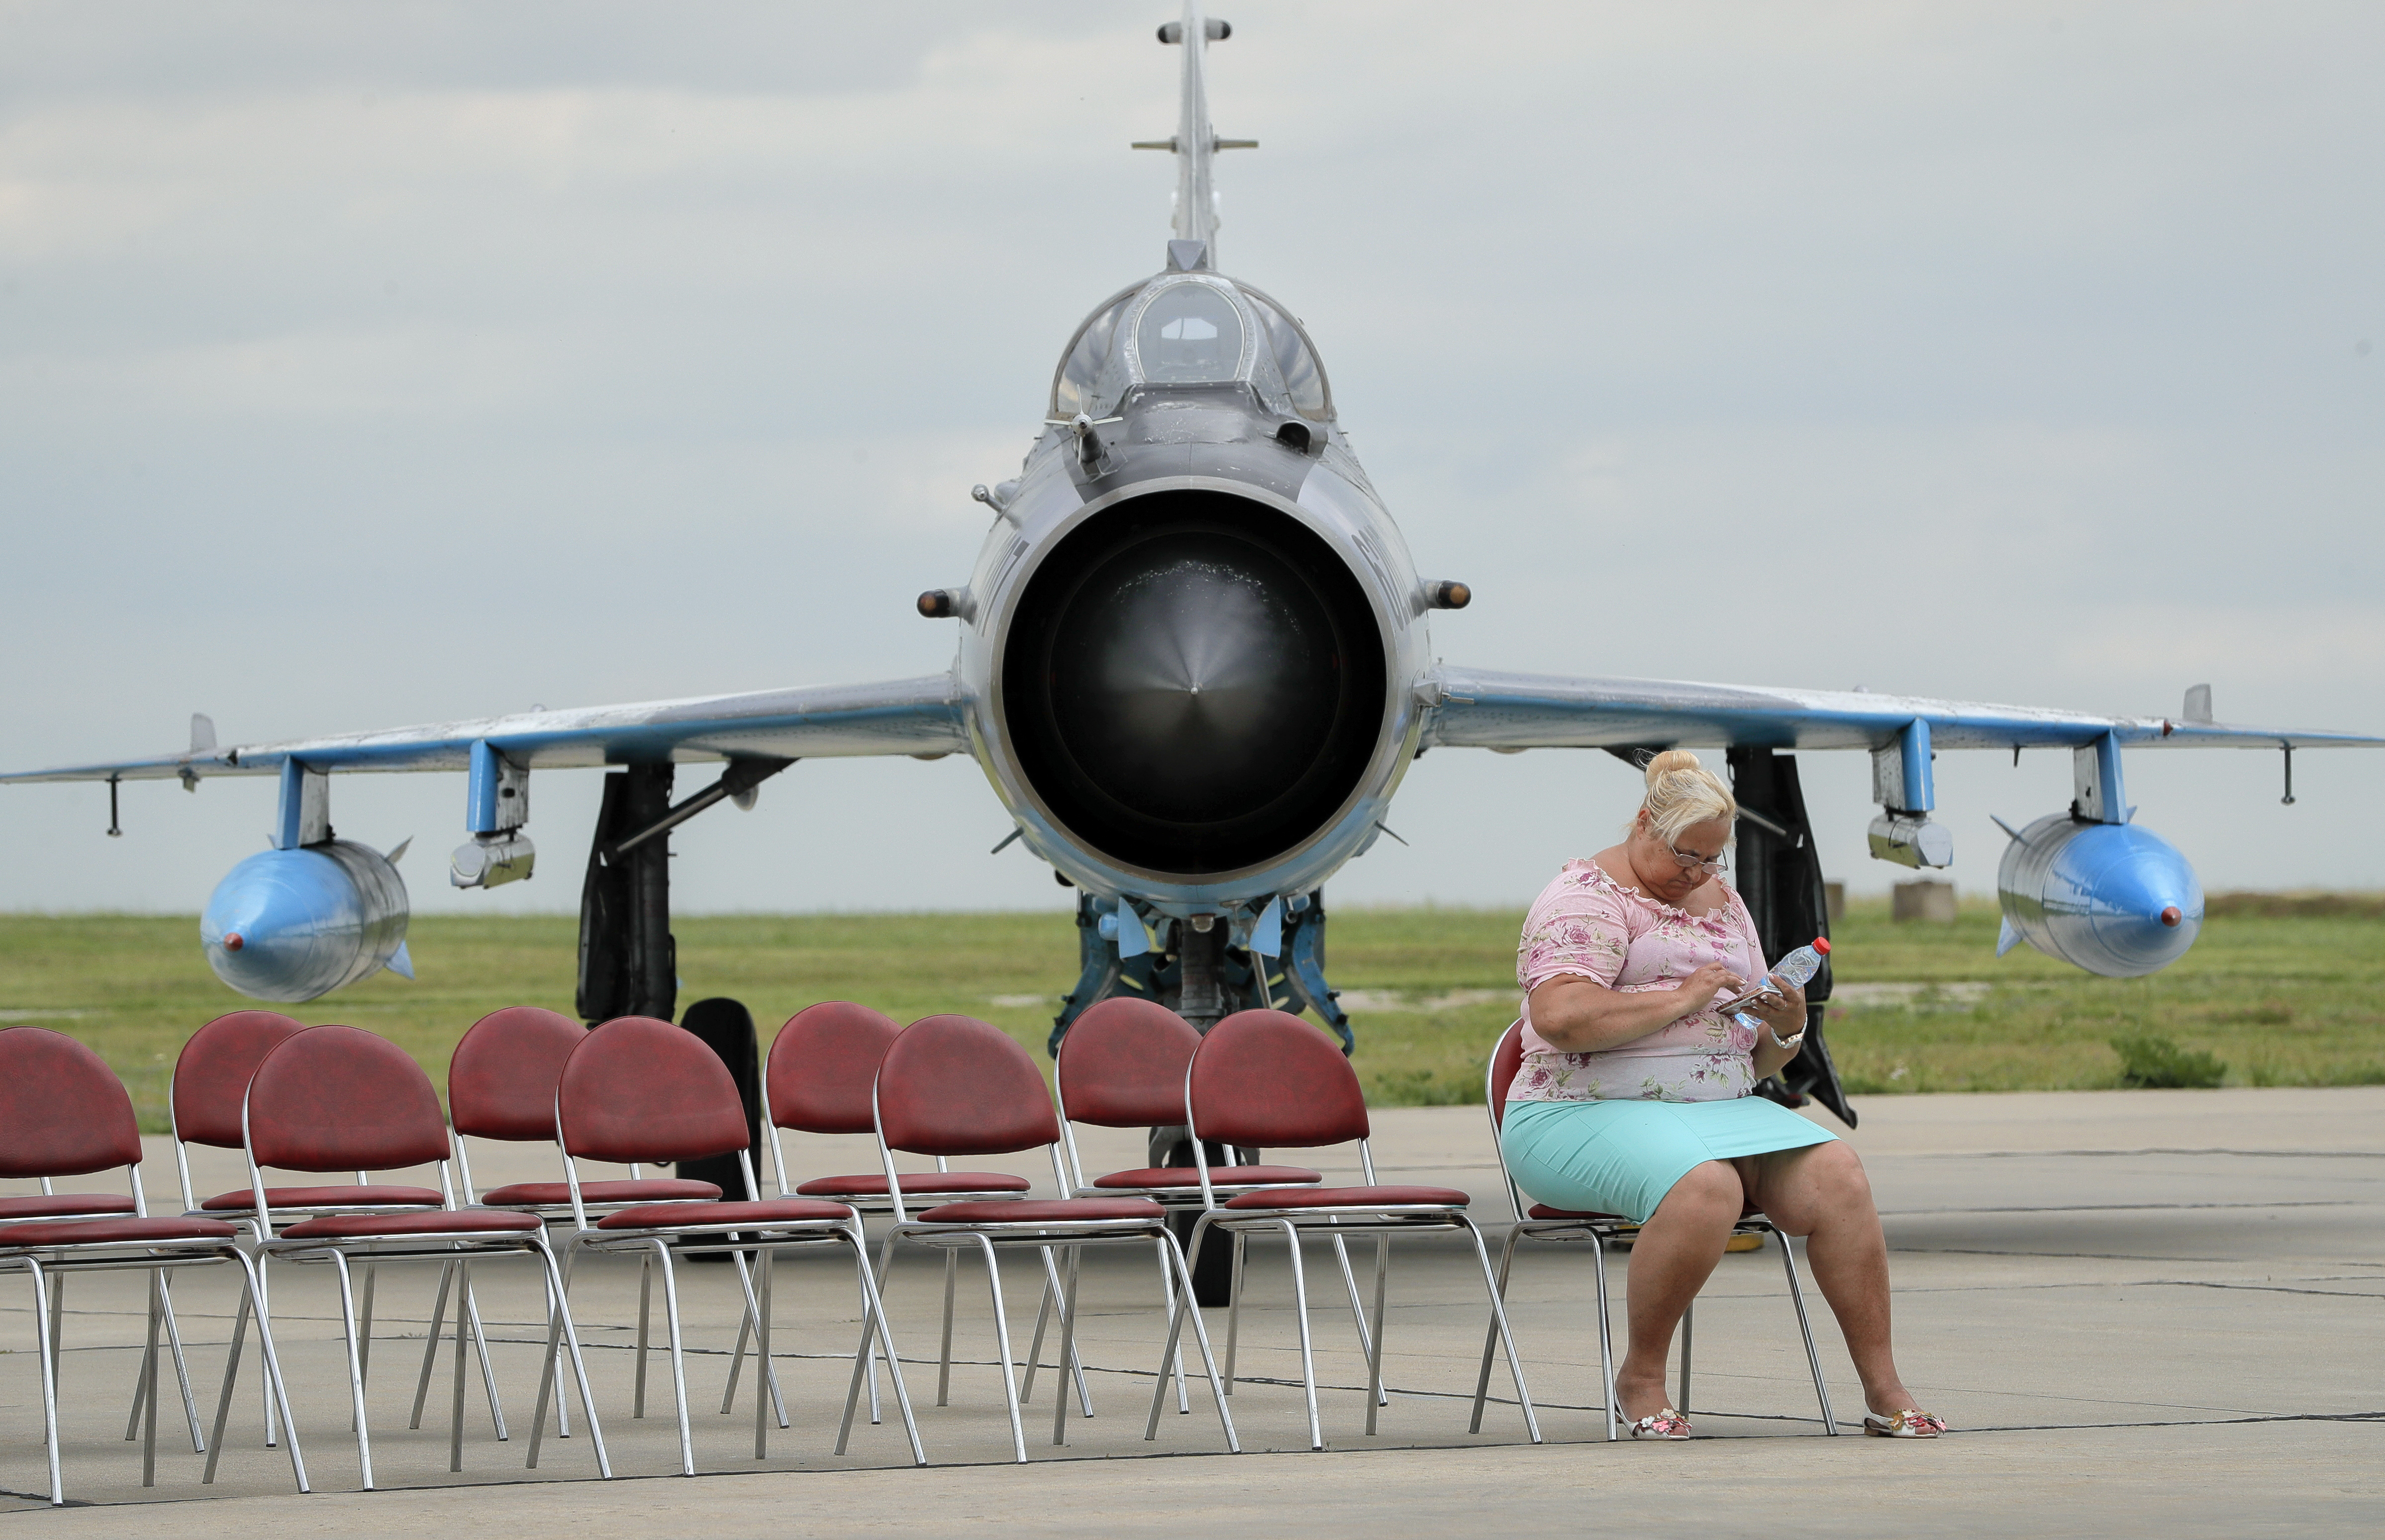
<point x="1193" y="664"/>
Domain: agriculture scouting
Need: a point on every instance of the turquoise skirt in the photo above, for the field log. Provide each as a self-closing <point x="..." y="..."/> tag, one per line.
<point x="1623" y="1157"/>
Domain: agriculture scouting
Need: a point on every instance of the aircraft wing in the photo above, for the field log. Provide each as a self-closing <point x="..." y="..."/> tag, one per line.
<point x="1479" y="709"/>
<point x="900" y="716"/>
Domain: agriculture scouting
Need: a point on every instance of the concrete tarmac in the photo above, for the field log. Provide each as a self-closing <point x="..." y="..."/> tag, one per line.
<point x="2152" y="1312"/>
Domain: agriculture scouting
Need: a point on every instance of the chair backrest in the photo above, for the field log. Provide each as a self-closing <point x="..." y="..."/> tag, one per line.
<point x="340" y="1098"/>
<point x="1122" y="1064"/>
<point x="957" y="1085"/>
<point x="1265" y="1078"/>
<point x="639" y="1090"/>
<point x="213" y="1070"/>
<point x="823" y="1065"/>
<point x="1506" y="1062"/>
<point x="63" y="1113"/>
<point x="501" y="1080"/>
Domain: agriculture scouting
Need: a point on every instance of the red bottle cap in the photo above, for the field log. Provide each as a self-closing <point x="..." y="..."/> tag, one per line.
<point x="1822" y="945"/>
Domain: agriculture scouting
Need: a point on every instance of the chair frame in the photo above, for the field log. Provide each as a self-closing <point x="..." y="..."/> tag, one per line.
<point x="1379" y="1219"/>
<point x="1604" y="1230"/>
<point x="451" y="1249"/>
<point x="281" y="1214"/>
<point x="552" y="1213"/>
<point x="735" y="1235"/>
<point x="989" y="1236"/>
<point x="87" y="1247"/>
<point x="870" y="1204"/>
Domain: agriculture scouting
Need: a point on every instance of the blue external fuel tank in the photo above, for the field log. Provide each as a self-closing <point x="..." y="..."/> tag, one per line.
<point x="2113" y="899"/>
<point x="290" y="924"/>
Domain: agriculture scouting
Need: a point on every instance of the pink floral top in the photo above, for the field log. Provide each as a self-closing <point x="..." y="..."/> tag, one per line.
<point x="1588" y="925"/>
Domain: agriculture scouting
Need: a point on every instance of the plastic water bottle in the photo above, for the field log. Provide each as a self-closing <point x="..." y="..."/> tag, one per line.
<point x="1798" y="968"/>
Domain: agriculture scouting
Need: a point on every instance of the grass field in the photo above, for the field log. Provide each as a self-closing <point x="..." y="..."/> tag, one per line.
<point x="2280" y="991"/>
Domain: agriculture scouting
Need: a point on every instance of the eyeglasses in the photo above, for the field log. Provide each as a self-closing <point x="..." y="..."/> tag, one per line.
<point x="1692" y="862"/>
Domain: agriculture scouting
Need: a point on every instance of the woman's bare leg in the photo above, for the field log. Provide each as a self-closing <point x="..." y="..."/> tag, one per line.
<point x="1820" y="1192"/>
<point x="1675" y="1252"/>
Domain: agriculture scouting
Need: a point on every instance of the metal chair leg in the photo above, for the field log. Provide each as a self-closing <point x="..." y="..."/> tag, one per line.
<point x="1167" y="1299"/>
<point x="181" y="1381"/>
<point x="873" y="1328"/>
<point x="1376" y="1398"/>
<point x="1067" y="1350"/>
<point x="1805" y="1329"/>
<point x="456" y="1405"/>
<point x="944" y="1362"/>
<point x="1300" y="1314"/>
<point x="1605" y="1338"/>
<point x="430" y="1342"/>
<point x="1002" y="1342"/>
<point x="488" y="1371"/>
<point x="559" y="1323"/>
<point x="1506" y="1337"/>
<point x="1689" y="1326"/>
<point x="48" y="1366"/>
<point x="1042" y="1316"/>
<point x="769" y="1373"/>
<point x="1490" y="1331"/>
<point x="1185" y="1308"/>
<point x="1349" y="1286"/>
<point x="1234" y="1307"/>
<point x="364" y="1339"/>
<point x="355" y="1368"/>
<point x="149" y="1383"/>
<point x="677" y="1358"/>
<point x="276" y="1391"/>
<point x="645" y="1305"/>
<point x="762" y="1357"/>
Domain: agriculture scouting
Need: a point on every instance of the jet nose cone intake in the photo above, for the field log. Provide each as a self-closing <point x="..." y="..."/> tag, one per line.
<point x="1194" y="682"/>
<point x="1201" y="685"/>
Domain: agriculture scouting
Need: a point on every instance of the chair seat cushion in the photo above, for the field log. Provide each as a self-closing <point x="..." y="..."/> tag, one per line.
<point x="1351" y="1198"/>
<point x="1043" y="1210"/>
<point x="327" y="1198"/>
<point x="117" y="1232"/>
<point x="769" y="1213"/>
<point x="643" y="1190"/>
<point x="927" y="1183"/>
<point x="1542" y="1210"/>
<point x="437" y="1221"/>
<point x="1219" y="1177"/>
<point x="58" y="1205"/>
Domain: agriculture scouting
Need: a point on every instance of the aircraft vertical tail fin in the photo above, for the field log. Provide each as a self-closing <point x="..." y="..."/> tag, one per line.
<point x="1195" y="144"/>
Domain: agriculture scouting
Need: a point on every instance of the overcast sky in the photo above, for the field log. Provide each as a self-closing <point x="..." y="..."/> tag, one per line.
<point x="363" y="365"/>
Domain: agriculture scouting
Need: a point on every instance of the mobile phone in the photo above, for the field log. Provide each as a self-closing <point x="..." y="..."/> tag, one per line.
<point x="1744" y="1002"/>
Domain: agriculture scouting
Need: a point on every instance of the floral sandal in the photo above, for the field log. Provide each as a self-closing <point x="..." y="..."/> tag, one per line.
<point x="1666" y="1423"/>
<point x="1908" y="1423"/>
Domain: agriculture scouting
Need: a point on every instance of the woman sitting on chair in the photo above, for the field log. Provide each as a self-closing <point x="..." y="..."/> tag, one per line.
<point x="1634" y="1098"/>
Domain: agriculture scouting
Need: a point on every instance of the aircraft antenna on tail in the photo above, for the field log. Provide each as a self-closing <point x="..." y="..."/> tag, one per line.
<point x="1195" y="142"/>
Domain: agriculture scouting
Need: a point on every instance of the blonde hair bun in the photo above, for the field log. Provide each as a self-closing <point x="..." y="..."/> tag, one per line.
<point x="1683" y="792"/>
<point x="1670" y="759"/>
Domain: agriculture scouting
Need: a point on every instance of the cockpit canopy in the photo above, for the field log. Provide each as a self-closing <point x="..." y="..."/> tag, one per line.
<point x="1189" y="329"/>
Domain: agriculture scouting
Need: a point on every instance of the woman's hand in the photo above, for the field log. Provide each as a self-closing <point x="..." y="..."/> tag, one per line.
<point x="1783" y="1015"/>
<point x="1574" y="1015"/>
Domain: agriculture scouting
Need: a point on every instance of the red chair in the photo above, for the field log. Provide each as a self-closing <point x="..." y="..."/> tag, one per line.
<point x="1121" y="1066"/>
<point x="337" y="1099"/>
<point x="1265" y="1078"/>
<point x="501" y="1083"/>
<point x="951" y="1085"/>
<point x="64" y="1113"/>
<point x="637" y="1089"/>
<point x="211" y="1076"/>
<point x="1542" y="1222"/>
<point x="817" y="1080"/>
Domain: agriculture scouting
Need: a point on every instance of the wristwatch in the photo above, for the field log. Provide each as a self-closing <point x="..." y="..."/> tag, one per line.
<point x="1779" y="1041"/>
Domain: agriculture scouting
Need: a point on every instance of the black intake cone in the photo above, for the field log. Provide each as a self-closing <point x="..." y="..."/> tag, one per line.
<point x="1194" y="682"/>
